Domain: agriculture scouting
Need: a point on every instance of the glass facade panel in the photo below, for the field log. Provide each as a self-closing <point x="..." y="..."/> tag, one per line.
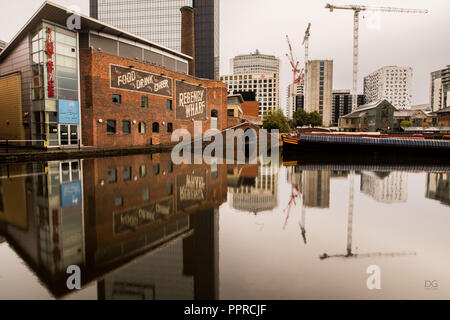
<point x="59" y="64"/>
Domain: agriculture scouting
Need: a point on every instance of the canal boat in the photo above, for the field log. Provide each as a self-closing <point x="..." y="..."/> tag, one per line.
<point x="368" y="145"/>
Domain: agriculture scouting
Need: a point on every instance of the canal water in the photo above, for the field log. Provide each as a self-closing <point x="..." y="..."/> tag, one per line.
<point x="141" y="227"/>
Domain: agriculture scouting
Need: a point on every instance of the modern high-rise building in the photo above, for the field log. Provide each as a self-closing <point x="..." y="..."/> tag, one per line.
<point x="342" y="104"/>
<point x="319" y="86"/>
<point x="266" y="86"/>
<point x="160" y="22"/>
<point x="255" y="63"/>
<point x="440" y="89"/>
<point x="390" y="83"/>
<point x="295" y="98"/>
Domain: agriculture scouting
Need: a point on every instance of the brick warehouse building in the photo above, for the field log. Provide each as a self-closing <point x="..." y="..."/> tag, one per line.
<point x="95" y="85"/>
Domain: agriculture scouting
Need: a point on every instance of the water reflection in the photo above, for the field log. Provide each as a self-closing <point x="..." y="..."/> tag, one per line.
<point x="252" y="188"/>
<point x="141" y="227"/>
<point x="438" y="187"/>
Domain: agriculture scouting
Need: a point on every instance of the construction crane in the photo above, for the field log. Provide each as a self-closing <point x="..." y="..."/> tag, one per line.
<point x="306" y="44"/>
<point x="350" y="253"/>
<point x="356" y="10"/>
<point x="294" y="63"/>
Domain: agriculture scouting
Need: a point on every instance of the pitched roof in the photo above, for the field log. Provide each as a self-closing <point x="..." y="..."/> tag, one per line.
<point x="361" y="109"/>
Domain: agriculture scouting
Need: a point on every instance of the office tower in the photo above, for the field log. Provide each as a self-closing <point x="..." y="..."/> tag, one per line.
<point x="266" y="86"/>
<point x="342" y="104"/>
<point x="296" y="98"/>
<point x="390" y="83"/>
<point x="160" y="22"/>
<point x="255" y="63"/>
<point x="440" y="89"/>
<point x="319" y="86"/>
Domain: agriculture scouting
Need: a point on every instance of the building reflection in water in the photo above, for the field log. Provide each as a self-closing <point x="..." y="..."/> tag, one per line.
<point x="385" y="187"/>
<point x="42" y="216"/>
<point x="142" y="228"/>
<point x="252" y="188"/>
<point x="438" y="187"/>
<point x="139" y="225"/>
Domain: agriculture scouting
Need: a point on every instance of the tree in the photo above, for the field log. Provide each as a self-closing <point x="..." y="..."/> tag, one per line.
<point x="405" y="124"/>
<point x="315" y="119"/>
<point x="276" y="120"/>
<point x="301" y="118"/>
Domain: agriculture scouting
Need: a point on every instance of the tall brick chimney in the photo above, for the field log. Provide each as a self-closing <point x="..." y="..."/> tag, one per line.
<point x="188" y="36"/>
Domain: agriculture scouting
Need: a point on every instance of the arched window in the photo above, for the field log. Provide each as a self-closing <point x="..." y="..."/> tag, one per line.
<point x="155" y="127"/>
<point x="214" y="113"/>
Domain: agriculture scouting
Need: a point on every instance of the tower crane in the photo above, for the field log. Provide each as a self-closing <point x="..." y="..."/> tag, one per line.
<point x="356" y="10"/>
<point x="294" y="63"/>
<point x="306" y="44"/>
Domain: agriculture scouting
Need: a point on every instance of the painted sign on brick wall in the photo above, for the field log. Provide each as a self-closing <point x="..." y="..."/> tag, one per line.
<point x="191" y="190"/>
<point x="140" y="81"/>
<point x="190" y="101"/>
<point x="137" y="218"/>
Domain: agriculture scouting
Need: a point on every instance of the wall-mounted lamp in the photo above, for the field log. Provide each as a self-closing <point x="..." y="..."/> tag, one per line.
<point x="134" y="121"/>
<point x="182" y="80"/>
<point x="163" y="123"/>
<point x="100" y="120"/>
<point x="131" y="67"/>
<point x="162" y="74"/>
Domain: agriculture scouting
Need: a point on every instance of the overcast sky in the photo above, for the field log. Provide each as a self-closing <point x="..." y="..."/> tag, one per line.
<point x="417" y="40"/>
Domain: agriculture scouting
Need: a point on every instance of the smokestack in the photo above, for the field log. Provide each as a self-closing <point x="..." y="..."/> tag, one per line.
<point x="188" y="36"/>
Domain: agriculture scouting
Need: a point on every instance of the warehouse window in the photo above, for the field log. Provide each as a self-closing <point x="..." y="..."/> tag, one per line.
<point x="117" y="98"/>
<point x="112" y="175"/>
<point x="155" y="127"/>
<point x="170" y="127"/>
<point x="142" y="127"/>
<point x="144" y="102"/>
<point x="118" y="201"/>
<point x="156" y="169"/>
<point x="127" y="173"/>
<point x="169" y="105"/>
<point x="111" y="126"/>
<point x="126" y="126"/>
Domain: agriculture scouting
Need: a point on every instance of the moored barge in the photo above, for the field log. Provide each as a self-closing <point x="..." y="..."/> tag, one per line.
<point x="366" y="144"/>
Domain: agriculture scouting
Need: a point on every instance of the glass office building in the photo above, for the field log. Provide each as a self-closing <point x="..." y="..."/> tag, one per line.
<point x="160" y="21"/>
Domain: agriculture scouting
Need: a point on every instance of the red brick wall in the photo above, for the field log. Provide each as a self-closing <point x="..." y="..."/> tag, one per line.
<point x="100" y="203"/>
<point x="250" y="108"/>
<point x="96" y="103"/>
